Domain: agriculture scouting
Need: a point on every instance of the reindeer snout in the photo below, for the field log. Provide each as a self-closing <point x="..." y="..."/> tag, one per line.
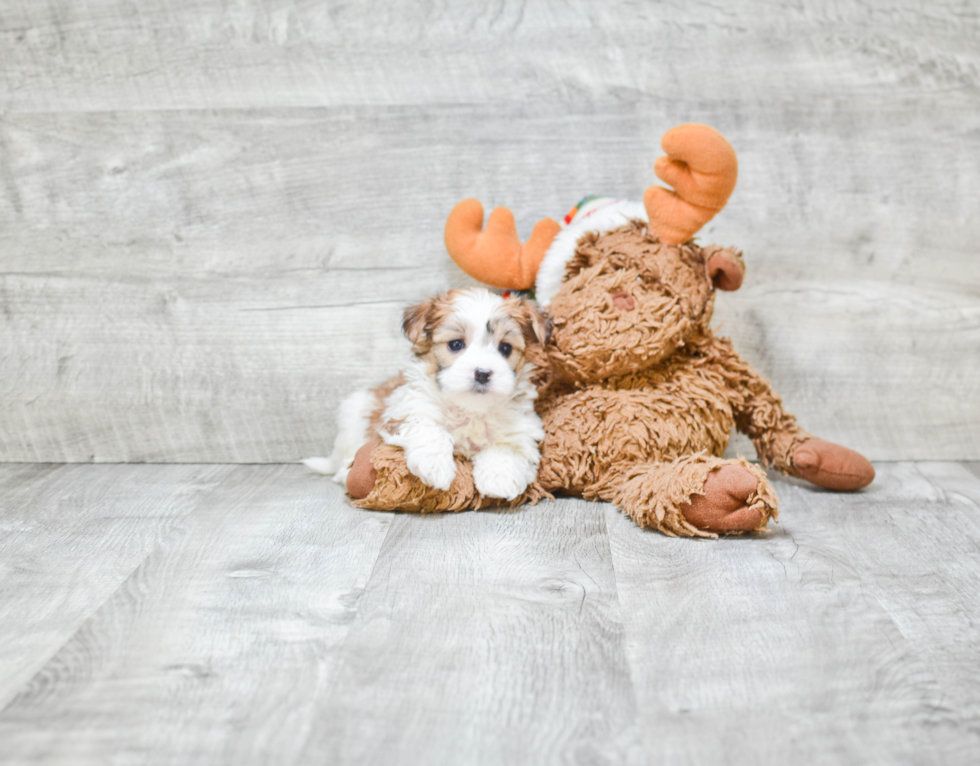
<point x="623" y="301"/>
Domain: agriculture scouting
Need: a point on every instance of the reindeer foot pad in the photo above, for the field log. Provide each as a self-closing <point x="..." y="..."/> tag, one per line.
<point x="731" y="501"/>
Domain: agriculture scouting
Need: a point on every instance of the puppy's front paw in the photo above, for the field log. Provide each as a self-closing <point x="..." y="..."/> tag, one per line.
<point x="498" y="473"/>
<point x="433" y="464"/>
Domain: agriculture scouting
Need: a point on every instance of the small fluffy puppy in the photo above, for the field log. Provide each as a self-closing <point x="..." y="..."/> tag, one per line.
<point x="470" y="389"/>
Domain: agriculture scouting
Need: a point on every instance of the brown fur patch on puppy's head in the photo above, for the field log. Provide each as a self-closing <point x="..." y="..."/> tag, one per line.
<point x="535" y="328"/>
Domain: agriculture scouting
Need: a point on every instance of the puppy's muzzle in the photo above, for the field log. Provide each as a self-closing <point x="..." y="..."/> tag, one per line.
<point x="482" y="376"/>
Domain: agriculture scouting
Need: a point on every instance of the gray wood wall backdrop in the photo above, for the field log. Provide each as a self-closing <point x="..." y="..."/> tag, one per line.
<point x="212" y="212"/>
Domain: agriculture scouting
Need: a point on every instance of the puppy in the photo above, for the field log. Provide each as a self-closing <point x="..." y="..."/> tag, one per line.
<point x="470" y="389"/>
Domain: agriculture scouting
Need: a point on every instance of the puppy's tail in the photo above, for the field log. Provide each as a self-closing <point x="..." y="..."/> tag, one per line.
<point x="325" y="465"/>
<point x="353" y="419"/>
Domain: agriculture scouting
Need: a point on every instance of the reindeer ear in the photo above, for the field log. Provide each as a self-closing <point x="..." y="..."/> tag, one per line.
<point x="726" y="269"/>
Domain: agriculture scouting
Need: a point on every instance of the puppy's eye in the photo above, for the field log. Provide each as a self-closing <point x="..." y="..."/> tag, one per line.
<point x="505" y="349"/>
<point x="456" y="345"/>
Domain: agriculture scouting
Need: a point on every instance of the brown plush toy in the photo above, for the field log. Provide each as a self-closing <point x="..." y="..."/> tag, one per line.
<point x="642" y="396"/>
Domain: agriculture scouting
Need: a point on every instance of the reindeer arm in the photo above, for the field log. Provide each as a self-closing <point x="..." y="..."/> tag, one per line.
<point x="758" y="410"/>
<point x="779" y="440"/>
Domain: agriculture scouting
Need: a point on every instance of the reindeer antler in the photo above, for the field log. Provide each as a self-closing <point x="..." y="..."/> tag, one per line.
<point x="702" y="167"/>
<point x="495" y="255"/>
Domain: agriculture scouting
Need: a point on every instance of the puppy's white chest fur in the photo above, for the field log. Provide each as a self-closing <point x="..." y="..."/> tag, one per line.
<point x="474" y="424"/>
<point x="473" y="431"/>
<point x="470" y="431"/>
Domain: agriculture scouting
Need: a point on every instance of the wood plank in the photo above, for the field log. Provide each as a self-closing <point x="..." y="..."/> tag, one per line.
<point x="217" y="646"/>
<point x="752" y="650"/>
<point x="69" y="537"/>
<point x="174" y="54"/>
<point x="278" y="193"/>
<point x="179" y="371"/>
<point x="272" y="623"/>
<point x="485" y="637"/>
<point x="253" y="371"/>
<point x="20" y="479"/>
<point x="168" y="193"/>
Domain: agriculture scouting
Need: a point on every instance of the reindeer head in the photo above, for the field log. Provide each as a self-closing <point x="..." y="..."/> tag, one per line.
<point x="624" y="293"/>
<point x="628" y="301"/>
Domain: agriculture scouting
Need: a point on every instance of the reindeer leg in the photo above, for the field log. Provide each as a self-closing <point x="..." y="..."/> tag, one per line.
<point x="832" y="466"/>
<point x="697" y="496"/>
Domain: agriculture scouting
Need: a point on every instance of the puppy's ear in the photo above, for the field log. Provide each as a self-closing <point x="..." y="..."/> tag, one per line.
<point x="415" y="325"/>
<point x="535" y="325"/>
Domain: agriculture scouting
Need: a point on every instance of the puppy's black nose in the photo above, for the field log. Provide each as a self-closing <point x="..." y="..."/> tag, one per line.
<point x="482" y="376"/>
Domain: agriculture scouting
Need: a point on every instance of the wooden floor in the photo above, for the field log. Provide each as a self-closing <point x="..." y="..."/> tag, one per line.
<point x="211" y="614"/>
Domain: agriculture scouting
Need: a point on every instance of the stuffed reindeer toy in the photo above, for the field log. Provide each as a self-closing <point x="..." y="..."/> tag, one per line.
<point x="640" y="397"/>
